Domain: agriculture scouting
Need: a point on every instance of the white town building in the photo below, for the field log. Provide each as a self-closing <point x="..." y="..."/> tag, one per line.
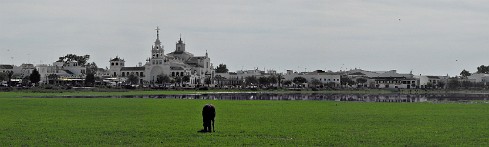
<point x="176" y="64"/>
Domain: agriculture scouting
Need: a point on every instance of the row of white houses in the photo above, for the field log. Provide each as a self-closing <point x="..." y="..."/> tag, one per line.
<point x="71" y="71"/>
<point x="371" y="79"/>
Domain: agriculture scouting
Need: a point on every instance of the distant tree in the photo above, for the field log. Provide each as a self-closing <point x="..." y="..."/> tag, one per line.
<point x="320" y="71"/>
<point x="440" y="84"/>
<point x="91" y="68"/>
<point x="466" y="84"/>
<point x="453" y="83"/>
<point x="272" y="79"/>
<point x="82" y="60"/>
<point x="173" y="81"/>
<point x="330" y="84"/>
<point x="344" y="80"/>
<point x="53" y="77"/>
<point x="287" y="82"/>
<point x="263" y="81"/>
<point x="251" y="80"/>
<point x="299" y="80"/>
<point x="280" y="78"/>
<point x="220" y="79"/>
<point x="465" y="73"/>
<point x="315" y="82"/>
<point x="3" y="76"/>
<point x="429" y="85"/>
<point x="35" y="77"/>
<point x="132" y="79"/>
<point x="178" y="80"/>
<point x="9" y="75"/>
<point x="98" y="80"/>
<point x="25" y="80"/>
<point x="163" y="79"/>
<point x="222" y="68"/>
<point x="90" y="79"/>
<point x="361" y="80"/>
<point x="483" y="69"/>
<point x="208" y="81"/>
<point x="186" y="78"/>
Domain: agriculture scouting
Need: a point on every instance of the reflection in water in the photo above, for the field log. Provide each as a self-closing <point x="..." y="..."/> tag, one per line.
<point x="313" y="96"/>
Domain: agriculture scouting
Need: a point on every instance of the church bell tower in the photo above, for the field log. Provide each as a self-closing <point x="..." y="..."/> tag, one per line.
<point x="180" y="46"/>
<point x="157" y="51"/>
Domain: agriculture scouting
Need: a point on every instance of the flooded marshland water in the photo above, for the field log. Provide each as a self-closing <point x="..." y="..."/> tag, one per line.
<point x="309" y="96"/>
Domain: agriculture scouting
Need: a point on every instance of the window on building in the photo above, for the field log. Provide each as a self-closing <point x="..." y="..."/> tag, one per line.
<point x="116" y="63"/>
<point x="123" y="74"/>
<point x="141" y="74"/>
<point x="112" y="63"/>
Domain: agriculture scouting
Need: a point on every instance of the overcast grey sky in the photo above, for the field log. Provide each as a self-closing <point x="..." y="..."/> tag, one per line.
<point x="434" y="37"/>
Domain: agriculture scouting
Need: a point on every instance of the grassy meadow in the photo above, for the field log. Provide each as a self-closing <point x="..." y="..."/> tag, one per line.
<point x="175" y="122"/>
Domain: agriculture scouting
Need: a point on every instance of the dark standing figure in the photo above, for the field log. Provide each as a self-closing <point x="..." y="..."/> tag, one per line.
<point x="208" y="114"/>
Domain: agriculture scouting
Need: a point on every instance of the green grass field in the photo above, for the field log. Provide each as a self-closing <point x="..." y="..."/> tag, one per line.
<point x="171" y="122"/>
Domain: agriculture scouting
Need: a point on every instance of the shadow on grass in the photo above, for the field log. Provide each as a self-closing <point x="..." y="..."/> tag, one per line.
<point x="204" y="131"/>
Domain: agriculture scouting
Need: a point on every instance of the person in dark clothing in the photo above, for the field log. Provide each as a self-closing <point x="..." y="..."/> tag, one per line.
<point x="208" y="115"/>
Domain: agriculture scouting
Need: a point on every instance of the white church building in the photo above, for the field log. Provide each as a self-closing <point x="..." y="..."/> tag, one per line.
<point x="178" y="63"/>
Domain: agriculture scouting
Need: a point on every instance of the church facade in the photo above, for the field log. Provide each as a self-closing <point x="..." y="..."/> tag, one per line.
<point x="176" y="65"/>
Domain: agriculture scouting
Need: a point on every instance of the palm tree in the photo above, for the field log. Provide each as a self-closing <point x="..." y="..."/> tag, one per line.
<point x="10" y="74"/>
<point x="280" y="77"/>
